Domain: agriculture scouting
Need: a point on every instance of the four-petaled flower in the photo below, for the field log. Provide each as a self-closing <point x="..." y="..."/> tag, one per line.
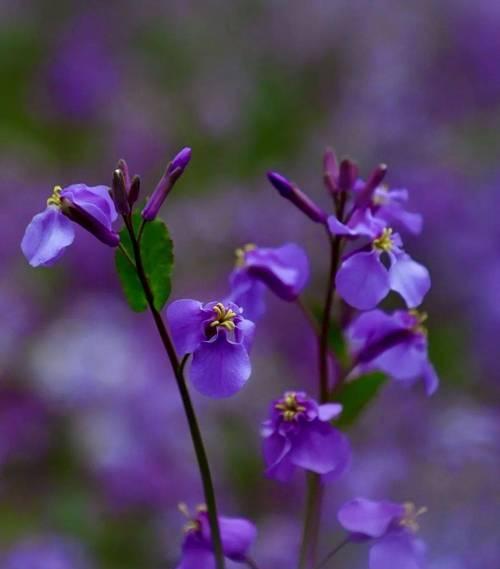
<point x="237" y="536"/>
<point x="362" y="279"/>
<point x="284" y="270"/>
<point x="219" y="338"/>
<point x="389" y="205"/>
<point x="395" y="344"/>
<point x="299" y="434"/>
<point x="51" y="231"/>
<point x="391" y="526"/>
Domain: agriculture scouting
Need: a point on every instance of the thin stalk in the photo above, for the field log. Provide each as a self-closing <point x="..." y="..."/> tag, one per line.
<point x="194" y="429"/>
<point x="332" y="553"/>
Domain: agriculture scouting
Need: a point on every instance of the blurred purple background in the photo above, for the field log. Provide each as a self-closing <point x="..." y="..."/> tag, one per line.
<point x="94" y="451"/>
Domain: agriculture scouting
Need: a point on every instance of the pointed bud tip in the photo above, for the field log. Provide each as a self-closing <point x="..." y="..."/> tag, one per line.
<point x="180" y="160"/>
<point x="284" y="186"/>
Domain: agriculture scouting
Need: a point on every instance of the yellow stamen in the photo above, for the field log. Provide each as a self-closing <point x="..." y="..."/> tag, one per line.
<point x="409" y="519"/>
<point x="420" y="318"/>
<point x="55" y="198"/>
<point x="240" y="253"/>
<point x="223" y="317"/>
<point x="289" y="407"/>
<point x="384" y="241"/>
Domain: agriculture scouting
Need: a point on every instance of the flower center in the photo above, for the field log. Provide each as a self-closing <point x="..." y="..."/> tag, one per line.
<point x="418" y="324"/>
<point x="55" y="198"/>
<point x="240" y="253"/>
<point x="224" y="317"/>
<point x="384" y="241"/>
<point x="193" y="524"/>
<point x="290" y="407"/>
<point x="409" y="519"/>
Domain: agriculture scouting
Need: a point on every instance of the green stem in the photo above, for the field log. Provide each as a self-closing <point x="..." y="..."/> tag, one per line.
<point x="177" y="367"/>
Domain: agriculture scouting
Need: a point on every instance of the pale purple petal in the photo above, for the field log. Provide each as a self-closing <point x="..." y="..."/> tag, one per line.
<point x="276" y="449"/>
<point x="186" y="318"/>
<point x="410" y="279"/>
<point x="248" y="293"/>
<point x="403" y="361"/>
<point x="320" y="448"/>
<point x="220" y="368"/>
<point x="244" y="333"/>
<point x="370" y="327"/>
<point x="336" y="227"/>
<point x="367" y="517"/>
<point x="196" y="554"/>
<point x="362" y="280"/>
<point x="329" y="411"/>
<point x="393" y="551"/>
<point x="237" y="536"/>
<point x="95" y="200"/>
<point x="431" y="379"/>
<point x="46" y="237"/>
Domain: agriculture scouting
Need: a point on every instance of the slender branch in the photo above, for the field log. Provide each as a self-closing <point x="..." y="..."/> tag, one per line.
<point x="178" y="369"/>
<point x="332" y="553"/>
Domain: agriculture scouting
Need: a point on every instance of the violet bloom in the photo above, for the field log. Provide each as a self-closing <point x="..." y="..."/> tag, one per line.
<point x="299" y="434"/>
<point x="363" y="280"/>
<point x="284" y="270"/>
<point x="389" y="205"/>
<point x="392" y="528"/>
<point x="51" y="231"/>
<point x="395" y="344"/>
<point x="237" y="536"/>
<point x="219" y="338"/>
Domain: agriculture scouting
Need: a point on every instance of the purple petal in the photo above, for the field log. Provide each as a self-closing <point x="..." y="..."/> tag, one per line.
<point x="394" y="551"/>
<point x="404" y="361"/>
<point x="248" y="293"/>
<point x="220" y="368"/>
<point x="244" y="333"/>
<point x="237" y="536"/>
<point x="367" y="517"/>
<point x="285" y="270"/>
<point x="196" y="554"/>
<point x="95" y="200"/>
<point x="410" y="279"/>
<point x="362" y="280"/>
<point x="369" y="327"/>
<point x="186" y="318"/>
<point x="431" y="379"/>
<point x="329" y="411"/>
<point x="320" y="448"/>
<point x="46" y="237"/>
<point x="336" y="227"/>
<point x="276" y="449"/>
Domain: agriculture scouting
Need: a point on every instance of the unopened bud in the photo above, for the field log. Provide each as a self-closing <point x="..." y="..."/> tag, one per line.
<point x="119" y="192"/>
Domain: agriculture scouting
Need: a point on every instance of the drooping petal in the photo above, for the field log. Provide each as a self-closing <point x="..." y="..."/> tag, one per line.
<point x="244" y="333"/>
<point x="320" y="448"/>
<point x="393" y="551"/>
<point x="329" y="411"/>
<point x="237" y="535"/>
<point x="336" y="227"/>
<point x="285" y="270"/>
<point x="186" y="318"/>
<point x="196" y="554"/>
<point x="220" y="367"/>
<point x="431" y="379"/>
<point x="276" y="450"/>
<point x="369" y="327"/>
<point x="248" y="293"/>
<point x="410" y="279"/>
<point x="403" y="361"/>
<point x="367" y="517"/>
<point x="95" y="200"/>
<point x="46" y="237"/>
<point x="362" y="280"/>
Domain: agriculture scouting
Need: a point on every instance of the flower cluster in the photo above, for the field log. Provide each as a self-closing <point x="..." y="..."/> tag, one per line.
<point x="210" y="343"/>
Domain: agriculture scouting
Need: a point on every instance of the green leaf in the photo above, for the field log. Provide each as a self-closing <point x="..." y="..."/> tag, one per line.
<point x="158" y="259"/>
<point x="357" y="395"/>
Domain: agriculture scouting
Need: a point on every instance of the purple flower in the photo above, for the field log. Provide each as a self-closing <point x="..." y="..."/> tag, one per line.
<point x="391" y="526"/>
<point x="395" y="344"/>
<point x="51" y="231"/>
<point x="363" y="280"/>
<point x="299" y="434"/>
<point x="285" y="270"/>
<point x="389" y="205"/>
<point x="219" y="338"/>
<point x="173" y="172"/>
<point x="237" y="536"/>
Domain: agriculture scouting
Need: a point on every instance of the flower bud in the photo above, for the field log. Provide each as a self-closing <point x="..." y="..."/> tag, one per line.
<point x="297" y="197"/>
<point x="375" y="179"/>
<point x="330" y="170"/>
<point x="119" y="192"/>
<point x="172" y="174"/>
<point x="348" y="174"/>
<point x="135" y="188"/>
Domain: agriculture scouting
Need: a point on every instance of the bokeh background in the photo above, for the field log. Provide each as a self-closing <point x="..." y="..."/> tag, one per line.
<point x="94" y="451"/>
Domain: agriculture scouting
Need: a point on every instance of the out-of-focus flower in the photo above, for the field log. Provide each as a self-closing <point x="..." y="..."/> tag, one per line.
<point x="219" y="338"/>
<point x="363" y="280"/>
<point x="173" y="172"/>
<point x="51" y="231"/>
<point x="284" y="270"/>
<point x="389" y="205"/>
<point x="392" y="526"/>
<point x="395" y="344"/>
<point x="299" y="434"/>
<point x="48" y="552"/>
<point x="237" y="536"/>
